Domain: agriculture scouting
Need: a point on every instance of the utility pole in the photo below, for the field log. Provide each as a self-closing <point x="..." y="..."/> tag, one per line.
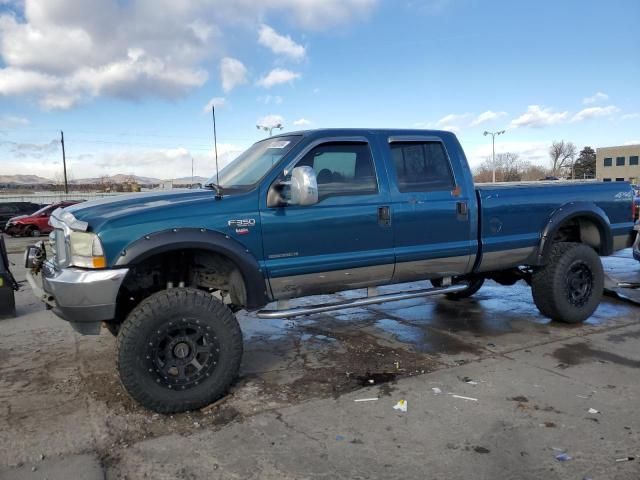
<point x="64" y="163"/>
<point x="493" y="141"/>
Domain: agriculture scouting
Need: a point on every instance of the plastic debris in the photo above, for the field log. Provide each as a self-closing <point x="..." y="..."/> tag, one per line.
<point x="563" y="457"/>
<point x="593" y="411"/>
<point x="372" y="399"/>
<point x="436" y="390"/>
<point x="465" y="398"/>
<point x="625" y="459"/>
<point x="401" y="405"/>
<point x="339" y="437"/>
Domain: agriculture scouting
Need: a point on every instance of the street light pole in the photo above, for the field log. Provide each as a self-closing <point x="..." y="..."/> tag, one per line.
<point x="269" y="128"/>
<point x="493" y="143"/>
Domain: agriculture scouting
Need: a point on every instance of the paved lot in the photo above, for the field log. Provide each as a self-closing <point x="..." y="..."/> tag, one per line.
<point x="292" y="414"/>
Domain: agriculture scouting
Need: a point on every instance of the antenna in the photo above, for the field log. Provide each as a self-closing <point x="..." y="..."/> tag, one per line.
<point x="215" y="148"/>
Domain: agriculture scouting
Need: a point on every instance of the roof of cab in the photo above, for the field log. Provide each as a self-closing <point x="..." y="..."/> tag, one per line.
<point x="323" y="132"/>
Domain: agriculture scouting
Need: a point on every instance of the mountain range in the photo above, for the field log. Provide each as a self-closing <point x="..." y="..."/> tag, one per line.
<point x="118" y="178"/>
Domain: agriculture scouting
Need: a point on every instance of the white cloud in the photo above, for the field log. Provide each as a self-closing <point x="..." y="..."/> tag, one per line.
<point x="270" y="121"/>
<point x="487" y="116"/>
<point x="302" y="122"/>
<point x="217" y="102"/>
<point x="31" y="150"/>
<point x="13" y="121"/>
<point x="321" y="14"/>
<point x="268" y="99"/>
<point x="538" y="116"/>
<point x="278" y="76"/>
<point x="62" y="52"/>
<point x="280" y="44"/>
<point x="535" y="152"/>
<point x="452" y="118"/>
<point x="630" y="116"/>
<point x="632" y="142"/>
<point x="594" y="112"/>
<point x="233" y="73"/>
<point x="595" y="98"/>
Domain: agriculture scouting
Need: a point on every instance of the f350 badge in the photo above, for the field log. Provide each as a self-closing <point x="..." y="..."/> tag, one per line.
<point x="242" y="225"/>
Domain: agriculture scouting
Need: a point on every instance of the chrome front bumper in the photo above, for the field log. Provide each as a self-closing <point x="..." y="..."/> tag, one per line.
<point x="82" y="297"/>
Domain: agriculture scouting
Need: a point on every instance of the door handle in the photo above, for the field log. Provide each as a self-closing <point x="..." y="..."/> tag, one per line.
<point x="384" y="216"/>
<point x="462" y="210"/>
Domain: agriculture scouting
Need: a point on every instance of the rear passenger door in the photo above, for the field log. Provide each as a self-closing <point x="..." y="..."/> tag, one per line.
<point x="430" y="211"/>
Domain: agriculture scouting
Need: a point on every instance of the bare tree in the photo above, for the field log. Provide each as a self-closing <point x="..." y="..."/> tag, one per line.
<point x="509" y="168"/>
<point x="562" y="155"/>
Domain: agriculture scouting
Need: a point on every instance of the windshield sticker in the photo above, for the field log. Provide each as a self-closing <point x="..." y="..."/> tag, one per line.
<point x="279" y="144"/>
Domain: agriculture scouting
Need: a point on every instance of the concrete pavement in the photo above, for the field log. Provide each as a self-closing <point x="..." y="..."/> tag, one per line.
<point x="292" y="413"/>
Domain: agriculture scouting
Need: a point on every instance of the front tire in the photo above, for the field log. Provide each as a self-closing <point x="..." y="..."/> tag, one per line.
<point x="570" y="286"/>
<point x="179" y="350"/>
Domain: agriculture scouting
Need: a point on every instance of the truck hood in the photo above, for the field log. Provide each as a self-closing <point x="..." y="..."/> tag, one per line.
<point x="97" y="212"/>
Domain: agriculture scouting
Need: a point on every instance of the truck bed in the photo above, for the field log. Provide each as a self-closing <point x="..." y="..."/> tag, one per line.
<point x="514" y="215"/>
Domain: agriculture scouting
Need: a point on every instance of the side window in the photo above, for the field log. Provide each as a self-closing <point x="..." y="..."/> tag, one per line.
<point x="421" y="166"/>
<point x="607" y="162"/>
<point x="342" y="169"/>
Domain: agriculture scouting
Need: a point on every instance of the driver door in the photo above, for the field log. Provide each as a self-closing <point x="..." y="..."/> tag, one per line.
<point x="342" y="242"/>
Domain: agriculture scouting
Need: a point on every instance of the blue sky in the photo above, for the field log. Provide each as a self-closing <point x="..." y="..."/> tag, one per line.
<point x="128" y="81"/>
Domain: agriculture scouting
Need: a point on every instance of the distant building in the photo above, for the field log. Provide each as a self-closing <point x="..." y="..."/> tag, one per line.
<point x="618" y="164"/>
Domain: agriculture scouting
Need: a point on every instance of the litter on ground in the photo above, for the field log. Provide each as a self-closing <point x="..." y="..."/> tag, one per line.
<point x="401" y="405"/>
<point x="465" y="398"/>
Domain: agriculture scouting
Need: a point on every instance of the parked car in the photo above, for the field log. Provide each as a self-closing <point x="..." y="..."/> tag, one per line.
<point x="35" y="224"/>
<point x="11" y="209"/>
<point x="307" y="213"/>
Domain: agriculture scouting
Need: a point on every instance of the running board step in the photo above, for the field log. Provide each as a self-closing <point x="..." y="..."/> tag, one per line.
<point x="359" y="302"/>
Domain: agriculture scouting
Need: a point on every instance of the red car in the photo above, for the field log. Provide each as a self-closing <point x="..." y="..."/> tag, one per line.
<point x="35" y="224"/>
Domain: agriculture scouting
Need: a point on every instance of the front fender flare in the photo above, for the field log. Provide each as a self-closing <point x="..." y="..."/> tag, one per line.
<point x="202" y="239"/>
<point x="569" y="211"/>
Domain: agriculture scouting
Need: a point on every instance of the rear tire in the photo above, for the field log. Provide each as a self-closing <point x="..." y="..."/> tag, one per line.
<point x="179" y="350"/>
<point x="475" y="284"/>
<point x="569" y="287"/>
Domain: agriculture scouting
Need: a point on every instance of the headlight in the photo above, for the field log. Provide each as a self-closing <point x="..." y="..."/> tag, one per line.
<point x="86" y="250"/>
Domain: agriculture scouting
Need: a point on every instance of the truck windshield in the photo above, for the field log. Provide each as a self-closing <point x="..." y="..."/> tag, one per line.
<point x="247" y="169"/>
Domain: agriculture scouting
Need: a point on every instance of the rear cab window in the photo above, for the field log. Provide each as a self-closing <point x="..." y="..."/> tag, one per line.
<point x="421" y="166"/>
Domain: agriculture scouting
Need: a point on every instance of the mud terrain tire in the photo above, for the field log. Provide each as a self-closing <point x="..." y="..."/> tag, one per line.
<point x="179" y="350"/>
<point x="570" y="286"/>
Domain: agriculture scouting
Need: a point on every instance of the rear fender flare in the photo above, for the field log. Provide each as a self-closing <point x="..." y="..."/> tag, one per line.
<point x="202" y="239"/>
<point x="567" y="212"/>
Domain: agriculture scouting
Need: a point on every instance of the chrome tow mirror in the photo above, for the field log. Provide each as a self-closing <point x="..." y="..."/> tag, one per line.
<point x="304" y="186"/>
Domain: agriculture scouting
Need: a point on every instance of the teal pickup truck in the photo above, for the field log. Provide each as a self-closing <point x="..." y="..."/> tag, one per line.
<point x="307" y="213"/>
